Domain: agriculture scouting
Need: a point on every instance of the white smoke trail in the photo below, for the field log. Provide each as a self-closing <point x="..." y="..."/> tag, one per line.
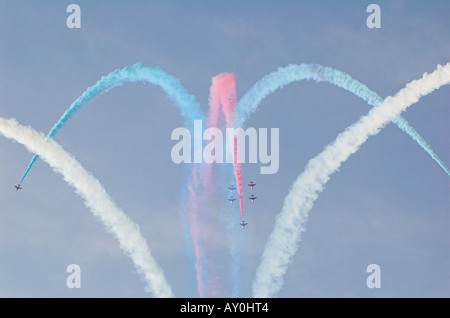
<point x="290" y="222"/>
<point x="96" y="199"/>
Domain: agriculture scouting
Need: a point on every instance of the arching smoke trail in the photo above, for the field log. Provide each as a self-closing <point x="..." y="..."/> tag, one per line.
<point x="290" y="222"/>
<point x="286" y="75"/>
<point x="96" y="199"/>
<point x="186" y="103"/>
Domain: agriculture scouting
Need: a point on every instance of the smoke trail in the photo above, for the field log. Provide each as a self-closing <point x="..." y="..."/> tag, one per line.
<point x="186" y="103"/>
<point x="198" y="234"/>
<point x="224" y="91"/>
<point x="284" y="76"/>
<point x="290" y="222"/>
<point x="201" y="188"/>
<point x="238" y="175"/>
<point x="96" y="199"/>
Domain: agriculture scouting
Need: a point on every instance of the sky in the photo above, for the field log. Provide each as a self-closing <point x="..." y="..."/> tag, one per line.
<point x="389" y="204"/>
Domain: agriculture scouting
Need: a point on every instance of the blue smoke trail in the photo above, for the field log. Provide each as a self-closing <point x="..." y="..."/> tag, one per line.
<point x="186" y="103"/>
<point x="291" y="73"/>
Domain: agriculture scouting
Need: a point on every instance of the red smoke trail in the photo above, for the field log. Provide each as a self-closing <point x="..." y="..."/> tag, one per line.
<point x="238" y="176"/>
<point x="224" y="90"/>
<point x="201" y="187"/>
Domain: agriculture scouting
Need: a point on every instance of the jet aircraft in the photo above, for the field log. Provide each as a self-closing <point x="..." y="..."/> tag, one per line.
<point x="253" y="198"/>
<point x="251" y="184"/>
<point x="18" y="187"/>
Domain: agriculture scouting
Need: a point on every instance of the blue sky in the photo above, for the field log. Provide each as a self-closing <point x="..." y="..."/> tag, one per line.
<point x="388" y="204"/>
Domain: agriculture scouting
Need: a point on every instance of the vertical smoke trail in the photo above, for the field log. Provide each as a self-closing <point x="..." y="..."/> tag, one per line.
<point x="226" y="89"/>
<point x="223" y="93"/>
<point x="284" y="76"/>
<point x="290" y="222"/>
<point x="238" y="175"/>
<point x="96" y="199"/>
<point x="197" y="231"/>
<point x="201" y="188"/>
<point x="186" y="103"/>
